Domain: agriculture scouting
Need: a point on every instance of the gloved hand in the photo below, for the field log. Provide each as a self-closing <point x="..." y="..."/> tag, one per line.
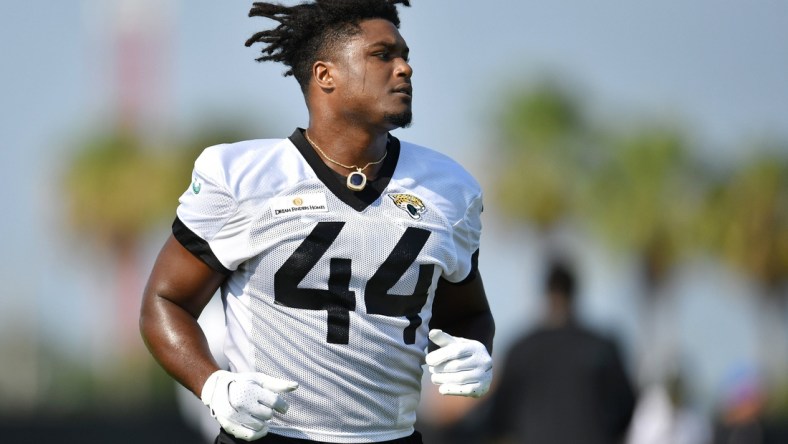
<point x="460" y="367"/>
<point x="244" y="402"/>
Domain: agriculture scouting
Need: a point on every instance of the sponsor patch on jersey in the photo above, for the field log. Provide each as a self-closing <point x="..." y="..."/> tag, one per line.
<point x="409" y="203"/>
<point x="298" y="204"/>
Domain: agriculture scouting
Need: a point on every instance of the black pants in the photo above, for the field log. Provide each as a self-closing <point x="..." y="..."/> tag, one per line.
<point x="226" y="438"/>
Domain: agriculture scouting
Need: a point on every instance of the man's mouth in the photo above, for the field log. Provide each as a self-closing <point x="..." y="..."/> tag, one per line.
<point x="404" y="89"/>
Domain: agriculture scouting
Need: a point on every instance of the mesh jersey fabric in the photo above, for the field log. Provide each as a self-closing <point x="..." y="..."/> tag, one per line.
<point x="326" y="289"/>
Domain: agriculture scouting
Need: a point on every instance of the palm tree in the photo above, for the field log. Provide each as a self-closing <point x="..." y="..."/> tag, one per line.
<point x="642" y="197"/>
<point x="542" y="135"/>
<point x="631" y="188"/>
<point x="643" y="200"/>
<point x="639" y="189"/>
<point x="118" y="187"/>
<point x="745" y="223"/>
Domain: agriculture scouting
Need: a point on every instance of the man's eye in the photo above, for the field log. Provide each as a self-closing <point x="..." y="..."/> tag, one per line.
<point x="382" y="55"/>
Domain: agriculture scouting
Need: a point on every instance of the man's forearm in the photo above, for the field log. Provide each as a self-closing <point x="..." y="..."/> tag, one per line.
<point x="177" y="342"/>
<point x="462" y="310"/>
<point x="477" y="326"/>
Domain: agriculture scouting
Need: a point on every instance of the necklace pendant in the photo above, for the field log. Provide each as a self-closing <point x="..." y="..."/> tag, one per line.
<point x="356" y="181"/>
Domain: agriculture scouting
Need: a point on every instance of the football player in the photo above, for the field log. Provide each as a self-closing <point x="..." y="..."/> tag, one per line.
<point x="340" y="251"/>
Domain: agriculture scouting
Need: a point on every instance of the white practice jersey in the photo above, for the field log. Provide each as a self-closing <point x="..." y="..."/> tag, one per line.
<point x="328" y="287"/>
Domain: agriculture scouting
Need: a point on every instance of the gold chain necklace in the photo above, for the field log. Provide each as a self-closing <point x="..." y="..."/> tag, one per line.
<point x="356" y="180"/>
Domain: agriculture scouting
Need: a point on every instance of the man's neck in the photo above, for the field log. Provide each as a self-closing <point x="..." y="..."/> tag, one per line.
<point x="348" y="145"/>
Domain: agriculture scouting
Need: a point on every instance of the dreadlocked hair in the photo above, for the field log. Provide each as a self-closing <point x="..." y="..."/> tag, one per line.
<point x="307" y="31"/>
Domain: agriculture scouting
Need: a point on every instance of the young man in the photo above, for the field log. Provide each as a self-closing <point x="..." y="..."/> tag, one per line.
<point x="339" y="251"/>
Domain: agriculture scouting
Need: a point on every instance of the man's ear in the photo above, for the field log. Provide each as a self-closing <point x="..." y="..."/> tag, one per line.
<point x="322" y="72"/>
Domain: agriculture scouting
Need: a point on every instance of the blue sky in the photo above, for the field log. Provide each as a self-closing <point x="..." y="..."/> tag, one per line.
<point x="719" y="65"/>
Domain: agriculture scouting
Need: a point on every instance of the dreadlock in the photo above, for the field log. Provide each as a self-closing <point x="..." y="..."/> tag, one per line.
<point x="307" y="31"/>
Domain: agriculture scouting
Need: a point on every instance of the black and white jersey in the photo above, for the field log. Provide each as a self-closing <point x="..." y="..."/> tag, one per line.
<point x="326" y="286"/>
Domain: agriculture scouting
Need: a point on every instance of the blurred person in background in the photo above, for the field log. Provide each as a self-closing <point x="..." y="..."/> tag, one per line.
<point x="340" y="252"/>
<point x="741" y="418"/>
<point x="664" y="415"/>
<point x="744" y="416"/>
<point x="562" y="383"/>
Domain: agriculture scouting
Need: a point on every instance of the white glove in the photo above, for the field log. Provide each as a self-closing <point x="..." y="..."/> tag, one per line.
<point x="244" y="402"/>
<point x="460" y="367"/>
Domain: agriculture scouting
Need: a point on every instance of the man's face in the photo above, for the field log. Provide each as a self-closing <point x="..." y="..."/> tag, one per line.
<point x="373" y="78"/>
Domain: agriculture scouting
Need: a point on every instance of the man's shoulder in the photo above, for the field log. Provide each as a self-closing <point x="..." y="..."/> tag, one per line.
<point x="225" y="157"/>
<point x="232" y="150"/>
<point x="434" y="164"/>
<point x="426" y="153"/>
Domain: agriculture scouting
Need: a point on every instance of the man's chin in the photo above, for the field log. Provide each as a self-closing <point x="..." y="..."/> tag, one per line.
<point x="400" y="120"/>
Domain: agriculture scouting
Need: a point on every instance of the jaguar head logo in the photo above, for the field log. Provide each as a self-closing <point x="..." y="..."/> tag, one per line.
<point x="410" y="203"/>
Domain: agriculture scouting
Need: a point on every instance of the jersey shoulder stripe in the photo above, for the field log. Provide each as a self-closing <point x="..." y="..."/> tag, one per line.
<point x="197" y="246"/>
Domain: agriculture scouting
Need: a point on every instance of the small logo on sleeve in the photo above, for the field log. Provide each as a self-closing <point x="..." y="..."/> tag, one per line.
<point x="303" y="203"/>
<point x="410" y="203"/>
<point x="196" y="186"/>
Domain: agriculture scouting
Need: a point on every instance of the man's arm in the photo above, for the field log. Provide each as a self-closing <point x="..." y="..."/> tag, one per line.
<point x="178" y="289"/>
<point x="462" y="310"/>
<point x="462" y="328"/>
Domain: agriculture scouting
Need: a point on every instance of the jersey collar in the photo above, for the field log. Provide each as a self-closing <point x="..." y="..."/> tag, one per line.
<point x="358" y="200"/>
